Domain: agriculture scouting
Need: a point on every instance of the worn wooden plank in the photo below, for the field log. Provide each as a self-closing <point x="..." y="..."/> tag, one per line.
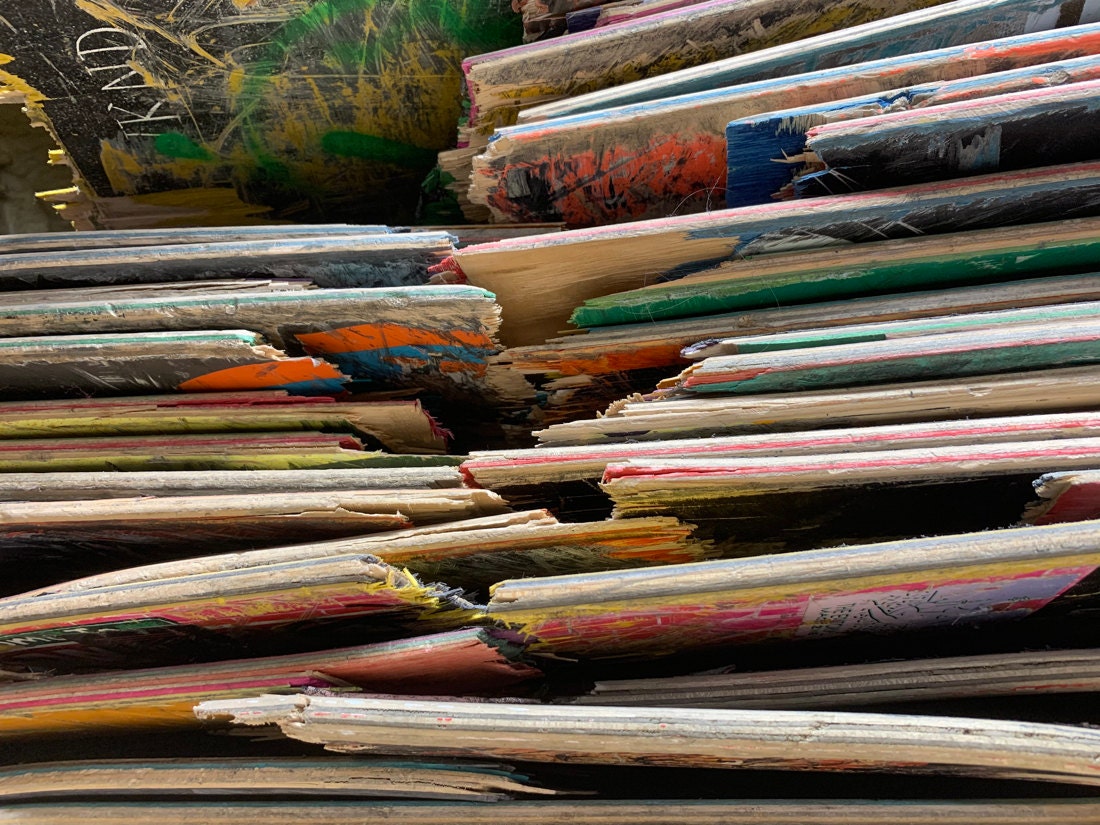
<point x="44" y="543"/>
<point x="207" y="616"/>
<point x="359" y="260"/>
<point x="1057" y="343"/>
<point x="562" y="270"/>
<point x="125" y="364"/>
<point x="142" y="699"/>
<point x="969" y="579"/>
<point x="499" y="83"/>
<point x="809" y="276"/>
<point x="55" y="241"/>
<point x="473" y="553"/>
<point x="1009" y="131"/>
<point x="260" y="779"/>
<point x="767" y="154"/>
<point x="609" y="166"/>
<point x="113" y="484"/>
<point x="856" y="686"/>
<point x="1053" y="390"/>
<point x="684" y="737"/>
<point x="556" y="465"/>
<point x="630" y="354"/>
<point x="896" y="330"/>
<point x="584" y="812"/>
<point x="399" y="426"/>
<point x="756" y="504"/>
<point x="642" y="485"/>
<point x="950" y="24"/>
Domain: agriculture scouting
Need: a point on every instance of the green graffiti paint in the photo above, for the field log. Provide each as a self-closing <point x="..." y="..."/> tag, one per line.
<point x="372" y="147"/>
<point x="176" y="145"/>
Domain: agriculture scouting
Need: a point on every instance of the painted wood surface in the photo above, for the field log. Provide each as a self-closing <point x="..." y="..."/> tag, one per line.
<point x="1008" y="131"/>
<point x="942" y="26"/>
<point x="609" y="166"/>
<point x="78" y="486"/>
<point x="372" y="333"/>
<point x="635" y="482"/>
<point x="639" y="348"/>
<point x="161" y="362"/>
<point x="55" y="241"/>
<point x="461" y="661"/>
<point x="208" y="615"/>
<point x="795" y="280"/>
<point x="399" y="426"/>
<point x="415" y="541"/>
<point x="763" y="153"/>
<point x="856" y="686"/>
<point x="584" y="812"/>
<point x="608" y="14"/>
<point x="757" y="505"/>
<point x="259" y="779"/>
<point x="373" y="260"/>
<point x="1051" y="390"/>
<point x="44" y="543"/>
<point x="1065" y="496"/>
<point x="893" y="330"/>
<point x="980" y="352"/>
<point x="877" y="588"/>
<point x="472" y="553"/>
<point x="285" y="106"/>
<point x="500" y="83"/>
<point x="300" y="450"/>
<point x="565" y="269"/>
<point x="269" y="452"/>
<point x="548" y="465"/>
<point x="684" y="737"/>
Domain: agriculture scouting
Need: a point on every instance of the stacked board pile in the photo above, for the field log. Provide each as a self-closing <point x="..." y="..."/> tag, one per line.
<point x="816" y="488"/>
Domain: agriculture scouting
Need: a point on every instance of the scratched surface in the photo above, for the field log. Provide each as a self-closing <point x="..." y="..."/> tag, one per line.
<point x="612" y="165"/>
<point x="148" y="622"/>
<point x="879" y="588"/>
<point x="474" y="660"/>
<point x="563" y="270"/>
<point x="318" y="108"/>
<point x="501" y="83"/>
<point x="1018" y="130"/>
<point x="763" y="151"/>
<point x="961" y="21"/>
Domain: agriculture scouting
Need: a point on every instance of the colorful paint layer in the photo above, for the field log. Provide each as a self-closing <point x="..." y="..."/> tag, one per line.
<point x="190" y="114"/>
<point x="501" y="82"/>
<point x="340" y="260"/>
<point x="611" y="165"/>
<point x="562" y="270"/>
<point x="942" y="26"/>
<point x="979" y="352"/>
<point x="877" y="588"/>
<point x="550" y="465"/>
<point x="461" y="661"/>
<point x="205" y="616"/>
<point x="399" y="426"/>
<point x="1009" y="131"/>
<point x="767" y="152"/>
<point x="699" y="416"/>
<point x="1065" y="496"/>
<point x="186" y="361"/>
